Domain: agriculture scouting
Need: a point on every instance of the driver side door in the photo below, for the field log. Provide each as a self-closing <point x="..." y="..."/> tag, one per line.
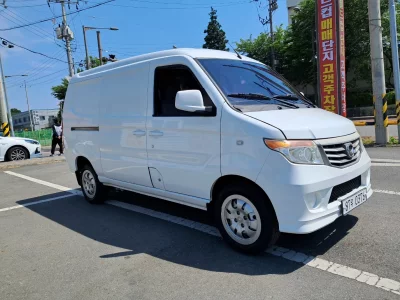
<point x="183" y="147"/>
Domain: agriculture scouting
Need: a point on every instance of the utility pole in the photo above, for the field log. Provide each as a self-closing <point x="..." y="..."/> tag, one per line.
<point x="99" y="46"/>
<point x="272" y="6"/>
<point x="65" y="33"/>
<point x="29" y="109"/>
<point x="395" y="58"/>
<point x="67" y="41"/>
<point x="86" y="48"/>
<point x="378" y="71"/>
<point x="4" y="104"/>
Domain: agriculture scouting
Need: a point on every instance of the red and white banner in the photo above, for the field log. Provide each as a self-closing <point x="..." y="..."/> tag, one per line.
<point x="342" y="60"/>
<point x="332" y="68"/>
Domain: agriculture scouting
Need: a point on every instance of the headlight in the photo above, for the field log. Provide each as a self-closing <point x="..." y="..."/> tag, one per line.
<point x="32" y="142"/>
<point x="298" y="152"/>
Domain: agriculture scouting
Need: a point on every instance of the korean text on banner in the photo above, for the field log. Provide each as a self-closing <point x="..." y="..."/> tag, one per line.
<point x="328" y="69"/>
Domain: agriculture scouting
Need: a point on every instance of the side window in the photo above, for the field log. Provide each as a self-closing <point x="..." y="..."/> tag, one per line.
<point x="168" y="81"/>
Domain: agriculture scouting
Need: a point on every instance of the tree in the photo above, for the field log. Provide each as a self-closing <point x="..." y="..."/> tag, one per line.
<point x="15" y="111"/>
<point x="215" y="38"/>
<point x="59" y="92"/>
<point x="298" y="57"/>
<point x="260" y="48"/>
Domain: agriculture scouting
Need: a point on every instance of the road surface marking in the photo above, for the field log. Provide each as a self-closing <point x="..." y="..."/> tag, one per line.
<point x="387" y="160"/>
<point x="49" y="184"/>
<point x="36" y="202"/>
<point x="384" y="165"/>
<point x="291" y="255"/>
<point x="387" y="192"/>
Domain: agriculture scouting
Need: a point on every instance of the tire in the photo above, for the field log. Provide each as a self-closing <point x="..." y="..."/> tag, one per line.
<point x="93" y="190"/>
<point x="17" y="153"/>
<point x="249" y="211"/>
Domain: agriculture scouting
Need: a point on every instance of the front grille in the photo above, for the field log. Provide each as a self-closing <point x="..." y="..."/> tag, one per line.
<point x="338" y="156"/>
<point x="345" y="188"/>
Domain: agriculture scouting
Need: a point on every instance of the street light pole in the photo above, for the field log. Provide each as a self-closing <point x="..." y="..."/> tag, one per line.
<point x="29" y="110"/>
<point x="84" y="28"/>
<point x="99" y="46"/>
<point x="86" y="48"/>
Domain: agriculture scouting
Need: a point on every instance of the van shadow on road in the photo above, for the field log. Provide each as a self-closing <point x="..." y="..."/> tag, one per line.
<point x="135" y="233"/>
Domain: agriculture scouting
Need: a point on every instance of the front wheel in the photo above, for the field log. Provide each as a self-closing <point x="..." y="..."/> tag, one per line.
<point x="17" y="153"/>
<point x="246" y="219"/>
<point x="93" y="190"/>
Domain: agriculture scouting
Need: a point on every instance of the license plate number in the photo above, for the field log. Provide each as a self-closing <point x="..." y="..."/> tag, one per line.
<point x="353" y="201"/>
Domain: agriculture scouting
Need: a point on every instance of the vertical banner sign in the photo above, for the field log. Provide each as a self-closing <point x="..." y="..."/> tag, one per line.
<point x="327" y="55"/>
<point x="342" y="61"/>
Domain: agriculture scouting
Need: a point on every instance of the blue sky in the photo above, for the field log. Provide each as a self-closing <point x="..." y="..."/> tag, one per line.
<point x="144" y="26"/>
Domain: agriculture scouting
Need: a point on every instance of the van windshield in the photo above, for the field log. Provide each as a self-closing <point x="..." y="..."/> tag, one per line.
<point x="251" y="86"/>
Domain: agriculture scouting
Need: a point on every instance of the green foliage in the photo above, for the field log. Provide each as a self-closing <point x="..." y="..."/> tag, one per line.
<point x="391" y="98"/>
<point x="294" y="46"/>
<point x="215" y="38"/>
<point x="393" y="141"/>
<point x="359" y="99"/>
<point x="59" y="91"/>
<point x="14" y="111"/>
<point x="260" y="48"/>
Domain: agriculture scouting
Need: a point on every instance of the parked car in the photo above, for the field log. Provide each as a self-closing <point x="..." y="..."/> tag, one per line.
<point x="14" y="148"/>
<point x="216" y="131"/>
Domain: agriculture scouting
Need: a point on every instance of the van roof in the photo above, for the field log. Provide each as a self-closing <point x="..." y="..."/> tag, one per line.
<point x="194" y="53"/>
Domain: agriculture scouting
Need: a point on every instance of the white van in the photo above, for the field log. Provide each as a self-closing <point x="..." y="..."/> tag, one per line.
<point x="219" y="132"/>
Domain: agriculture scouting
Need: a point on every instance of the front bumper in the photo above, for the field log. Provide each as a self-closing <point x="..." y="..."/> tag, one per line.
<point x="300" y="193"/>
<point x="36" y="153"/>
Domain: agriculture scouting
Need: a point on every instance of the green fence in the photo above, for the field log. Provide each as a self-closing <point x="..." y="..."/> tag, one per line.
<point x="44" y="136"/>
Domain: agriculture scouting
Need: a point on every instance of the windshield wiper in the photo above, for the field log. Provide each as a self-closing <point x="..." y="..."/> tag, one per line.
<point x="292" y="97"/>
<point x="250" y="96"/>
<point x="254" y="96"/>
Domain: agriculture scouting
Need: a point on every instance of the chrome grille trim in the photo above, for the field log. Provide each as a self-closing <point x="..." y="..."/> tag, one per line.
<point x="335" y="151"/>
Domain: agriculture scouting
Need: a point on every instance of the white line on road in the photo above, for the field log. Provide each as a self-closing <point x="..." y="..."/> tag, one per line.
<point x="49" y="184"/>
<point x="385" y="160"/>
<point x="36" y="202"/>
<point x="298" y="257"/>
<point x="384" y="165"/>
<point x="387" y="192"/>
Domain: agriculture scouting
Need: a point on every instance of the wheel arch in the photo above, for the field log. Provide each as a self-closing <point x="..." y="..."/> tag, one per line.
<point x="226" y="180"/>
<point x="15" y="146"/>
<point x="80" y="162"/>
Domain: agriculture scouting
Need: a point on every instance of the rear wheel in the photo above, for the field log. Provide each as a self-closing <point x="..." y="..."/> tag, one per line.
<point x="246" y="219"/>
<point x="93" y="190"/>
<point x="17" y="153"/>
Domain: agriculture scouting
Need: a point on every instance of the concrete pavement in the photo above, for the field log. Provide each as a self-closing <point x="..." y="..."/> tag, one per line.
<point x="69" y="249"/>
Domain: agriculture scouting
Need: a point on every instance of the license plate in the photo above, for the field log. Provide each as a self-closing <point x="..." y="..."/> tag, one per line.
<point x="353" y="201"/>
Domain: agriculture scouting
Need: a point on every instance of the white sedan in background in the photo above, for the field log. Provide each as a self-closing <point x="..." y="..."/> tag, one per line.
<point x="14" y="148"/>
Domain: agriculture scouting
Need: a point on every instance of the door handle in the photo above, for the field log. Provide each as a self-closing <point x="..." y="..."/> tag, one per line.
<point x="156" y="133"/>
<point x="139" y="132"/>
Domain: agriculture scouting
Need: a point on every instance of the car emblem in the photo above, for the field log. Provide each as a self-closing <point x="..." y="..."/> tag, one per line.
<point x="350" y="151"/>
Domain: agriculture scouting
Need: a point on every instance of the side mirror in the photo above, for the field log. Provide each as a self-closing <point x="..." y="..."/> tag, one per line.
<point x="190" y="100"/>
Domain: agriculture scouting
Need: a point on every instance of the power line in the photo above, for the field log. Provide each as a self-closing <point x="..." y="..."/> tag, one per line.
<point x="33" y="30"/>
<point x="32" y="51"/>
<point x="60" y="16"/>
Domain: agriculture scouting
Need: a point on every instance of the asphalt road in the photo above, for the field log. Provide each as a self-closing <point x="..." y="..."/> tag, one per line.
<point x="69" y="249"/>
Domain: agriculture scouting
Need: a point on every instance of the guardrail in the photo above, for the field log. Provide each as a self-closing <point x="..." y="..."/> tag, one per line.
<point x="372" y="123"/>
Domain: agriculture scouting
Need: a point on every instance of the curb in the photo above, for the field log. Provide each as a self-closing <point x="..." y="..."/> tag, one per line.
<point x="31" y="162"/>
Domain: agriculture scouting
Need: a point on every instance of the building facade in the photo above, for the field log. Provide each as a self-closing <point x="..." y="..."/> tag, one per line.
<point x="291" y="7"/>
<point x="41" y="119"/>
